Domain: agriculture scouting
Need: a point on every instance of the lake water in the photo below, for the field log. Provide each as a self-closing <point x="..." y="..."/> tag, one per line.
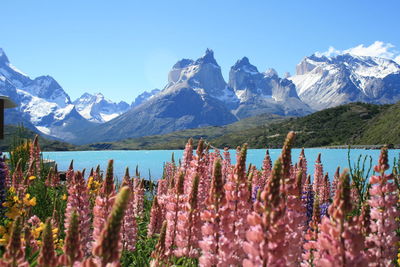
<point x="153" y="160"/>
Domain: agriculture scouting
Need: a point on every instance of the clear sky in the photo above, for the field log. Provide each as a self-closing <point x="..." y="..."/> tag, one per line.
<point x="122" y="48"/>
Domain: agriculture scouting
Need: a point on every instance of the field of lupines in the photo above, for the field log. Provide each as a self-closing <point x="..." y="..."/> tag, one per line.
<point x="203" y="212"/>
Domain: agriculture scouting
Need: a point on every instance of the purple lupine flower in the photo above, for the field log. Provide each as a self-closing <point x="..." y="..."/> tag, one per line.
<point x="3" y="177"/>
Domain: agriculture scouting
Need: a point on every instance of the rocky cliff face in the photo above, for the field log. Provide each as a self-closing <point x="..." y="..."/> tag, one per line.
<point x="193" y="97"/>
<point x="266" y="92"/>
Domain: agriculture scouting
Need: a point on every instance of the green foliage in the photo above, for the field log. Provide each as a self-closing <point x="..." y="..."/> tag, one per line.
<point x="384" y="128"/>
<point x="14" y="135"/>
<point x="144" y="244"/>
<point x="48" y="200"/>
<point x="359" y="175"/>
<point x="340" y="125"/>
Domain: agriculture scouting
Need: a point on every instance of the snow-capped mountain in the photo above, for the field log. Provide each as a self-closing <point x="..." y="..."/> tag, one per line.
<point x="324" y="82"/>
<point x="43" y="105"/>
<point x="96" y="108"/>
<point x="143" y="97"/>
<point x="197" y="95"/>
<point x="192" y="98"/>
<point x="266" y="92"/>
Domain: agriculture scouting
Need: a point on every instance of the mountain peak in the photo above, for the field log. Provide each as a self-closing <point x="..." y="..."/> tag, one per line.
<point x="245" y="65"/>
<point x="271" y="72"/>
<point x="183" y="63"/>
<point x="3" y="57"/>
<point x="207" y="58"/>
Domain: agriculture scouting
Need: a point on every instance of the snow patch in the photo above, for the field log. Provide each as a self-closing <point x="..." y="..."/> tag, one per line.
<point x="44" y="130"/>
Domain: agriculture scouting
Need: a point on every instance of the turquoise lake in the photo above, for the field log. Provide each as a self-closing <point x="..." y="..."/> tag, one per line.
<point x="153" y="160"/>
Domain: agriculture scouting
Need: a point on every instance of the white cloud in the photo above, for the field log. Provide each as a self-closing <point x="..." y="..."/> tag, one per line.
<point x="377" y="49"/>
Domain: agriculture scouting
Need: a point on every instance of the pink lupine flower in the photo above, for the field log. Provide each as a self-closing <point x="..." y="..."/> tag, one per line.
<point x="108" y="247"/>
<point x="174" y="202"/>
<point x="159" y="258"/>
<point x="188" y="225"/>
<point x="302" y="164"/>
<point x="138" y="198"/>
<point x="34" y="155"/>
<point x="30" y="241"/>
<point x="326" y="190"/>
<point x="340" y="241"/>
<point x="365" y="219"/>
<point x="30" y="245"/>
<point x="202" y="169"/>
<point x="156" y="218"/>
<point x="266" y="169"/>
<point x="382" y="243"/>
<point x="52" y="178"/>
<point x="211" y="217"/>
<point x="97" y="176"/>
<point x="265" y="245"/>
<point x="286" y="154"/>
<point x="47" y="256"/>
<point x="17" y="180"/>
<point x="256" y="181"/>
<point x="335" y="181"/>
<point x="72" y="252"/>
<point x="70" y="173"/>
<point x="310" y="247"/>
<point x="104" y="202"/>
<point x="129" y="225"/>
<point x="318" y="182"/>
<point x="295" y="219"/>
<point x="14" y="255"/>
<point x="162" y="187"/>
<point x="226" y="165"/>
<point x="187" y="154"/>
<point x="78" y="200"/>
<point x="234" y="212"/>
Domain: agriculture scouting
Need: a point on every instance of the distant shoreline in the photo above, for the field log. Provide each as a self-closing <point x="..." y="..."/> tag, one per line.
<point x="366" y="147"/>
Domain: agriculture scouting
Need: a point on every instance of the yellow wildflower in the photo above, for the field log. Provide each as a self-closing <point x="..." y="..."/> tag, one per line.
<point x="29" y="202"/>
<point x="64" y="197"/>
<point x="2" y="230"/>
<point x="37" y="231"/>
<point x="32" y="178"/>
<point x="4" y="239"/>
<point x="32" y="201"/>
<point x="13" y="213"/>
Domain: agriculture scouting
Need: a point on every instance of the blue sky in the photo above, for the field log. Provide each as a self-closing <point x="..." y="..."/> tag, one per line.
<point x="121" y="48"/>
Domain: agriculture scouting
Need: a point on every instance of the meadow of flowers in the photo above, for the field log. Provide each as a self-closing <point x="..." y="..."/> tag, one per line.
<point x="204" y="211"/>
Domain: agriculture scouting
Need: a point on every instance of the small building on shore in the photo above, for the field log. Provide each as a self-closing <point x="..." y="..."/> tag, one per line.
<point x="5" y="102"/>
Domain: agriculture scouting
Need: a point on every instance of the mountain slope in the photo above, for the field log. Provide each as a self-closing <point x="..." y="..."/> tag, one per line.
<point x="324" y="82"/>
<point x="144" y="97"/>
<point x="260" y="93"/>
<point x="96" y="108"/>
<point x="43" y="105"/>
<point x="334" y="126"/>
<point x="46" y="144"/>
<point x="192" y="98"/>
<point x="384" y="128"/>
<point x="178" y="139"/>
<point x="340" y="125"/>
<point x="196" y="95"/>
